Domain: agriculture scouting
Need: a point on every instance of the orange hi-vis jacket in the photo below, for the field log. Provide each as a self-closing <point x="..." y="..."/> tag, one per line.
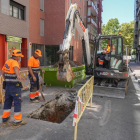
<point x="108" y="48"/>
<point x="34" y="64"/>
<point x="8" y="69"/>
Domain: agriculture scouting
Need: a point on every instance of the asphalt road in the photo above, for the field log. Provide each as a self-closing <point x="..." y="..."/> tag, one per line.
<point x="108" y="119"/>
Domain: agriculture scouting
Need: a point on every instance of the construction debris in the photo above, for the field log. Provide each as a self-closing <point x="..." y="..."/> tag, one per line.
<point x="57" y="109"/>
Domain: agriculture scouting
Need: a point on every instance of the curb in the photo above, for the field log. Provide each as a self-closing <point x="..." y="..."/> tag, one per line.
<point x="135" y="75"/>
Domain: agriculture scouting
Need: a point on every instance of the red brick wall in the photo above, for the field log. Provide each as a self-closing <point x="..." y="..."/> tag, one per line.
<point x="34" y="22"/>
<point x="54" y="21"/>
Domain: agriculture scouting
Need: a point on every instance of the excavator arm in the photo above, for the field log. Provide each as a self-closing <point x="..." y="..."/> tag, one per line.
<point x="73" y="22"/>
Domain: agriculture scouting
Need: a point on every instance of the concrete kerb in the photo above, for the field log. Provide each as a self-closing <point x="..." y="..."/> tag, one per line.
<point x="135" y="75"/>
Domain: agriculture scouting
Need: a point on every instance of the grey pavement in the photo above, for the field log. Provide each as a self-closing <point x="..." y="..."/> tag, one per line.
<point x="135" y="68"/>
<point x="107" y="119"/>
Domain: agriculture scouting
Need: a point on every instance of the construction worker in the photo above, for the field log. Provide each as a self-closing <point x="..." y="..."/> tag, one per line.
<point x="12" y="86"/>
<point x="102" y="57"/>
<point x="34" y="71"/>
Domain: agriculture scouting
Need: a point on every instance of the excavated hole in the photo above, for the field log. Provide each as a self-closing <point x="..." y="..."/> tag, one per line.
<point x="58" y="109"/>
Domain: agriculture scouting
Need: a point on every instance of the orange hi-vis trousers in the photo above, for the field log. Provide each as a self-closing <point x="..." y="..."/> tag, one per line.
<point x="101" y="62"/>
<point x="12" y="93"/>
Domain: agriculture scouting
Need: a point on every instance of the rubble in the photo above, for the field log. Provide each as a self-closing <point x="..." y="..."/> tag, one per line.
<point x="57" y="109"/>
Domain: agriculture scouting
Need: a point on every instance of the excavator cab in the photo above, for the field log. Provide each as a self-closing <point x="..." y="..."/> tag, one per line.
<point x="109" y="52"/>
<point x="110" y="70"/>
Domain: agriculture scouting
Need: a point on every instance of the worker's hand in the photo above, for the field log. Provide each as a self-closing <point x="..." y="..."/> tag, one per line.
<point x="103" y="53"/>
<point x="43" y="71"/>
<point x="34" y="78"/>
<point x="18" y="78"/>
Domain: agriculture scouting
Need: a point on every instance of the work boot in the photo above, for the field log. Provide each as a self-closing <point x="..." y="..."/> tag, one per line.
<point x="35" y="101"/>
<point x="6" y="120"/>
<point x="20" y="123"/>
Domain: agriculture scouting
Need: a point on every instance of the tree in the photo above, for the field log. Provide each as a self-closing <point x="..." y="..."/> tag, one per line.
<point x="134" y="52"/>
<point x="111" y="28"/>
<point x="127" y="31"/>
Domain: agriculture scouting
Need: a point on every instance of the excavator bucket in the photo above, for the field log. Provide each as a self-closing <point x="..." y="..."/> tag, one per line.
<point x="66" y="74"/>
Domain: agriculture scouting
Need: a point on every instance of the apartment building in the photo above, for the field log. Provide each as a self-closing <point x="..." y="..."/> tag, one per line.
<point x="32" y="24"/>
<point x="136" y="44"/>
<point x="47" y="25"/>
<point x="14" y="29"/>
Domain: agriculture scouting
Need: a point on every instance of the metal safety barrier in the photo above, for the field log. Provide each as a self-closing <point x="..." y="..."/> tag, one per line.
<point x="25" y="80"/>
<point x="85" y="93"/>
<point x="1" y="91"/>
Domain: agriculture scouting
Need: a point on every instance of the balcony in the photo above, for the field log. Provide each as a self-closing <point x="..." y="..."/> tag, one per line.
<point x="94" y="9"/>
<point x="91" y="37"/>
<point x="91" y="21"/>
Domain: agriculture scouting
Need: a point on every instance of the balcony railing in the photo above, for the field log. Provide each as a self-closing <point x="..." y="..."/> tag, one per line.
<point x="90" y="20"/>
<point x="91" y="36"/>
<point x="90" y="3"/>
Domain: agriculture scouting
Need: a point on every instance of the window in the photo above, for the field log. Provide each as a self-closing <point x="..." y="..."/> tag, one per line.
<point x="41" y="27"/>
<point x="42" y="5"/>
<point x="116" y="53"/>
<point x="51" y="55"/>
<point x="120" y="46"/>
<point x="17" y="10"/>
<point x="114" y="46"/>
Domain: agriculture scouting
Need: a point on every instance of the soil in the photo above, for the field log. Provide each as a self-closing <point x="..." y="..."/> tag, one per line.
<point x="72" y="63"/>
<point x="57" y="109"/>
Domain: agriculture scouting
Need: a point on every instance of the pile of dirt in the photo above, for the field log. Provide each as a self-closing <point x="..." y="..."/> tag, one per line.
<point x="57" y="109"/>
<point x="72" y="64"/>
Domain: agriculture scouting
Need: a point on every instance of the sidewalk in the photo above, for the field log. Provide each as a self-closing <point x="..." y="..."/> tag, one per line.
<point x="135" y="68"/>
<point x="107" y="119"/>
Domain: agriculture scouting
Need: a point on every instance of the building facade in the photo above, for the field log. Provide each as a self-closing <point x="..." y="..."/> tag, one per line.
<point x="49" y="16"/>
<point x="136" y="44"/>
<point x="94" y="19"/>
<point x="14" y="29"/>
<point x="40" y="24"/>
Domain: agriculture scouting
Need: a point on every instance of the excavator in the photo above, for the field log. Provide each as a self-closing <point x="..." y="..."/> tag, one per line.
<point x="111" y="74"/>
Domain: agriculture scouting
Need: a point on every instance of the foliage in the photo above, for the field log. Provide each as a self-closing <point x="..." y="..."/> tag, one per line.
<point x="127" y="31"/>
<point x="111" y="28"/>
<point x="134" y="52"/>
